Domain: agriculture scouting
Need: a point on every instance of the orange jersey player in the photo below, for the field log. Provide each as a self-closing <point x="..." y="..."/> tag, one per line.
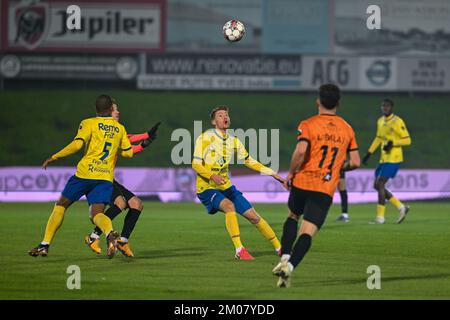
<point x="329" y="138"/>
<point x="323" y="143"/>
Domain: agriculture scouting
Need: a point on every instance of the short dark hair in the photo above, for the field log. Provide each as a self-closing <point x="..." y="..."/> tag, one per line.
<point x="103" y="104"/>
<point x="213" y="111"/>
<point x="388" y="101"/>
<point x="329" y="96"/>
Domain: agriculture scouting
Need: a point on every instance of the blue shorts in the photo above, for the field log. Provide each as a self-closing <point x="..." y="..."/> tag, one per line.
<point x="212" y="198"/>
<point x="96" y="191"/>
<point x="387" y="170"/>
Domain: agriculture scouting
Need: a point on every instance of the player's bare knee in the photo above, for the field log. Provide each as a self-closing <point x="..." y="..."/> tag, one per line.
<point x="64" y="202"/>
<point x="292" y="215"/>
<point x="252" y="216"/>
<point x="255" y="220"/>
<point x="120" y="203"/>
<point x="95" y="210"/>
<point x="227" y="206"/>
<point x="136" y="203"/>
<point x="308" y="228"/>
<point x="378" y="185"/>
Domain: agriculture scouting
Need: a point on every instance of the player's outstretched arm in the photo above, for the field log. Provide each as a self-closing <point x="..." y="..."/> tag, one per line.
<point x="71" y="148"/>
<point x="258" y="166"/>
<point x="144" y="144"/>
<point x="373" y="147"/>
<point x="137" y="137"/>
<point x="253" y="164"/>
<point x="375" y="144"/>
<point x="146" y="139"/>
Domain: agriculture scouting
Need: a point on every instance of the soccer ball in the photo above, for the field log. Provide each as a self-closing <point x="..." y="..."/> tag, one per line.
<point x="233" y="30"/>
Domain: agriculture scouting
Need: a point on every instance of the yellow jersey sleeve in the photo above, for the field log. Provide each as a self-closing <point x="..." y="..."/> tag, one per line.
<point x="379" y="126"/>
<point x="84" y="131"/>
<point x="71" y="148"/>
<point x="402" y="132"/>
<point x="378" y="138"/>
<point x="125" y="145"/>
<point x="197" y="162"/>
<point x="250" y="163"/>
<point x="200" y="147"/>
<point x="200" y="169"/>
<point x="401" y="129"/>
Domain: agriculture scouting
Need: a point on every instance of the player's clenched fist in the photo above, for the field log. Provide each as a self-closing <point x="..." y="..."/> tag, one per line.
<point x="218" y="179"/>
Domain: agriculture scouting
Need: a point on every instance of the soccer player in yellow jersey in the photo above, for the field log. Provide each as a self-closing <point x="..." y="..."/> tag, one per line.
<point x="123" y="198"/>
<point x="213" y="152"/>
<point x="103" y="138"/>
<point x="392" y="136"/>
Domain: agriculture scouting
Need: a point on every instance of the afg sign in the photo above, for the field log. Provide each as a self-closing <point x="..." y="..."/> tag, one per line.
<point x="135" y="25"/>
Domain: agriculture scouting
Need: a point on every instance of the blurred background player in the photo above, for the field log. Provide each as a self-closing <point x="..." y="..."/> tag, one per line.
<point x="344" y="198"/>
<point x="323" y="143"/>
<point x="123" y="198"/>
<point x="391" y="136"/>
<point x="213" y="152"/>
<point x="104" y="139"/>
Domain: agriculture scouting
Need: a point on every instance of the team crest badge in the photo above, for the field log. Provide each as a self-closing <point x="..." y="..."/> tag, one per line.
<point x="221" y="161"/>
<point x="31" y="22"/>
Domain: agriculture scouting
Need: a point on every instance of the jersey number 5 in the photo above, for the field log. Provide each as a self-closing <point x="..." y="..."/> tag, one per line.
<point x="106" y="150"/>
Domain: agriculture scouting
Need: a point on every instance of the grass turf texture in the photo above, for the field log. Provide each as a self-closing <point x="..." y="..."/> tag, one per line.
<point x="182" y="253"/>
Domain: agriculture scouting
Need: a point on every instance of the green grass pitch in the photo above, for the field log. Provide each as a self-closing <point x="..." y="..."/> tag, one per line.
<point x="182" y="253"/>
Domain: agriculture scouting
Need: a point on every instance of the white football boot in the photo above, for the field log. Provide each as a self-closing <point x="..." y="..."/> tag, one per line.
<point x="378" y="220"/>
<point x="402" y="212"/>
<point x="284" y="273"/>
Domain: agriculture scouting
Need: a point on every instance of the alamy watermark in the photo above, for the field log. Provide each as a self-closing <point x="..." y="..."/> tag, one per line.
<point x="373" y="22"/>
<point x="258" y="145"/>
<point x="74" y="280"/>
<point x="374" y="280"/>
<point x="73" y="21"/>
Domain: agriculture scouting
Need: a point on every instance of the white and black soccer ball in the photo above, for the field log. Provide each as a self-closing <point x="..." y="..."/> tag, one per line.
<point x="233" y="30"/>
